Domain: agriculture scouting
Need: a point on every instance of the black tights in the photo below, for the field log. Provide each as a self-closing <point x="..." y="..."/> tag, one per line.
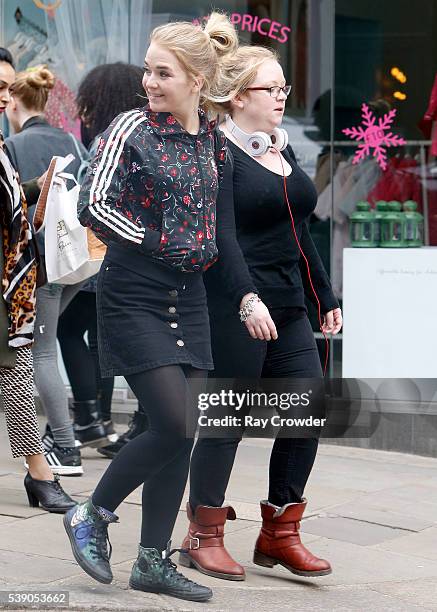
<point x="160" y="457"/>
<point x="236" y="354"/>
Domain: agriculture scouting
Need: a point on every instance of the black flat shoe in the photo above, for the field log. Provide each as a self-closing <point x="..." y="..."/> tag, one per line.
<point x="48" y="494"/>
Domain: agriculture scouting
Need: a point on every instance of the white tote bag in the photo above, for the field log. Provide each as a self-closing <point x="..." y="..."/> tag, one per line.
<point x="66" y="241"/>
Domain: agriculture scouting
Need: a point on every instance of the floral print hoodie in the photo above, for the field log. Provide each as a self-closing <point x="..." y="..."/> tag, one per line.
<point x="152" y="187"/>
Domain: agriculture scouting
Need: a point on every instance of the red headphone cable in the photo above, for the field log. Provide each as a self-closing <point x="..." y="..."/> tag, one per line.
<point x="307" y="265"/>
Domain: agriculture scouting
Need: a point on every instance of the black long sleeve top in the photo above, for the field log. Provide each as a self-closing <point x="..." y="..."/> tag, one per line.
<point x="265" y="258"/>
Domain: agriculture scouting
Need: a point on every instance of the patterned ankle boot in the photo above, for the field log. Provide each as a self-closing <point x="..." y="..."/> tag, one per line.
<point x="154" y="572"/>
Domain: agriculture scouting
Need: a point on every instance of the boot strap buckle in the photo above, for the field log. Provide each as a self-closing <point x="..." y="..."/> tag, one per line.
<point x="197" y="543"/>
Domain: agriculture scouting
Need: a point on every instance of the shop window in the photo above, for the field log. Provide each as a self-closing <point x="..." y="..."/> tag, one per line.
<point x="377" y="50"/>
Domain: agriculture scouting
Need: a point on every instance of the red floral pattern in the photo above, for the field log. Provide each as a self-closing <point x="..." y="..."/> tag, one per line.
<point x="166" y="180"/>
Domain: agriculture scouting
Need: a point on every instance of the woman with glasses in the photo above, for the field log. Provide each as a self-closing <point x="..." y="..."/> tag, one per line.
<point x="270" y="280"/>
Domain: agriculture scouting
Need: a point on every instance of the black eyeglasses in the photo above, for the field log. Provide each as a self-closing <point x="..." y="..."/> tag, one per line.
<point x="274" y="91"/>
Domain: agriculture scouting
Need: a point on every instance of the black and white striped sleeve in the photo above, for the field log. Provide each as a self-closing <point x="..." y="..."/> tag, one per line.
<point x="102" y="205"/>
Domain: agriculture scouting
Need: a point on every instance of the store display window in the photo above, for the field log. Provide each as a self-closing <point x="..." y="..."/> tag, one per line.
<point x="353" y="65"/>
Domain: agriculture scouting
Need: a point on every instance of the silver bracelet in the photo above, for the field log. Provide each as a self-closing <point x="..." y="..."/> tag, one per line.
<point x="248" y="308"/>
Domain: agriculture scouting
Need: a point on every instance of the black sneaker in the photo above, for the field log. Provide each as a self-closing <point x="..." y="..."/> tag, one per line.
<point x="110" y="432"/>
<point x="64" y="461"/>
<point x="48" y="440"/>
<point x="93" y="435"/>
<point x="137" y="425"/>
<point x="88" y="429"/>
<point x="153" y="574"/>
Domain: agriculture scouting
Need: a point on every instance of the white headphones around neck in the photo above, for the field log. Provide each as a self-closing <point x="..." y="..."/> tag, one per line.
<point x="258" y="143"/>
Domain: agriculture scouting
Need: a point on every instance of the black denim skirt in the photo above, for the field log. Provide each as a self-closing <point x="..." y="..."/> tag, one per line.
<point x="150" y="315"/>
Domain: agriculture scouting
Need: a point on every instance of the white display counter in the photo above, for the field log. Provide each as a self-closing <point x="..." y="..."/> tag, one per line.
<point x="390" y="313"/>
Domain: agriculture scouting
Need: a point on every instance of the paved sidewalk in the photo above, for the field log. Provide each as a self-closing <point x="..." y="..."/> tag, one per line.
<point x="372" y="514"/>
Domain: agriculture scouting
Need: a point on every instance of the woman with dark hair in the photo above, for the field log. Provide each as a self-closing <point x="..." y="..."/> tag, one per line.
<point x="120" y="89"/>
<point x="5" y="56"/>
<point x="18" y="273"/>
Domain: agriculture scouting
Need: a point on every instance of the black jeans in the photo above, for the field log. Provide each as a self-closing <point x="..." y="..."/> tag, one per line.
<point x="81" y="360"/>
<point x="237" y="355"/>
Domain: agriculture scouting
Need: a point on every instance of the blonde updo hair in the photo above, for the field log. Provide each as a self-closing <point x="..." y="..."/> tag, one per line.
<point x="237" y="72"/>
<point x="200" y="49"/>
<point x="32" y="87"/>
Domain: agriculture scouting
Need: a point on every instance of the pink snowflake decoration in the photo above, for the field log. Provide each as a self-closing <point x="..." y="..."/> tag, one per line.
<point x="375" y="136"/>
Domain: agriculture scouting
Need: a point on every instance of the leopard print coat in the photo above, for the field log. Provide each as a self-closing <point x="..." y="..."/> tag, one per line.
<point x="20" y="266"/>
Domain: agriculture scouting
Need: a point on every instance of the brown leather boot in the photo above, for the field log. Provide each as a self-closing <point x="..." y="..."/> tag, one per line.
<point x="204" y="543"/>
<point x="279" y="542"/>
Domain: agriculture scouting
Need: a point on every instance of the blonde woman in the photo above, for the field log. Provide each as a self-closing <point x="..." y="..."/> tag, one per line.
<point x="150" y="195"/>
<point x="272" y="278"/>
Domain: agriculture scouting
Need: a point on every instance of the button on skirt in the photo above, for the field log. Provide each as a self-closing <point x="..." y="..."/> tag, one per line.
<point x="150" y="315"/>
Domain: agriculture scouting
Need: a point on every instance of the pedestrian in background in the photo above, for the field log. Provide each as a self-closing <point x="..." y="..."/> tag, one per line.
<point x="31" y="149"/>
<point x="18" y="272"/>
<point x="120" y="89"/>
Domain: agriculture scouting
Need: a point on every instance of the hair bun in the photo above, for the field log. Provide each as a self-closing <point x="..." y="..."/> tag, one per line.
<point x="40" y="77"/>
<point x="222" y="33"/>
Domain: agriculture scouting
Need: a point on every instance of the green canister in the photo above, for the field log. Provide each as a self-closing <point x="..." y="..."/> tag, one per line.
<point x="363" y="226"/>
<point x="381" y="210"/>
<point x="393" y="226"/>
<point x="413" y="224"/>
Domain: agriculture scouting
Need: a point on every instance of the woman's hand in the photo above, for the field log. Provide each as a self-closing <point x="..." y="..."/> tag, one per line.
<point x="41" y="179"/>
<point x="332" y="322"/>
<point x="259" y="323"/>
